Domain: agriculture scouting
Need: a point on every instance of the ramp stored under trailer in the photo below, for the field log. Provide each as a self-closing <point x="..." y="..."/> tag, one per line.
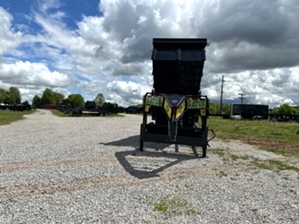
<point x="179" y="111"/>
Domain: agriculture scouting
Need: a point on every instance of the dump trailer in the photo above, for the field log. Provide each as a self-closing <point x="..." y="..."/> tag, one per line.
<point x="178" y="110"/>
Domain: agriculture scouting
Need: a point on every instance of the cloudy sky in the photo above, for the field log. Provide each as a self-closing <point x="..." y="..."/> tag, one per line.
<point x="92" y="46"/>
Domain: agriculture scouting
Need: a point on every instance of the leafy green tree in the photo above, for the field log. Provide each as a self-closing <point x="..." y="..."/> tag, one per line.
<point x="14" y="95"/>
<point x="26" y="103"/>
<point x="99" y="100"/>
<point x="48" y="97"/>
<point x="76" y="100"/>
<point x="285" y="109"/>
<point x="90" y="105"/>
<point x="115" y="105"/>
<point x="226" y="108"/>
<point x="3" y="95"/>
<point x="66" y="102"/>
<point x="214" y="108"/>
<point x="36" y="102"/>
<point x="58" y="98"/>
<point x="111" y="107"/>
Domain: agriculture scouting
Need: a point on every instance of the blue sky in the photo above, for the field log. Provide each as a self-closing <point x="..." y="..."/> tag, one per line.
<point x="91" y="47"/>
<point x="74" y="9"/>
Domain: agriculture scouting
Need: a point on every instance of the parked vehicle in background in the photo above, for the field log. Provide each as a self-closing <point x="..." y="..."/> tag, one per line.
<point x="250" y="111"/>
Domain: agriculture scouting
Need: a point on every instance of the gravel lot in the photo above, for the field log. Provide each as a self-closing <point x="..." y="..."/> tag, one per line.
<point x="87" y="170"/>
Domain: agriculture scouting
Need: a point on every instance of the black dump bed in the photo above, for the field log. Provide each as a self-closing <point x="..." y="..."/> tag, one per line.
<point x="178" y="65"/>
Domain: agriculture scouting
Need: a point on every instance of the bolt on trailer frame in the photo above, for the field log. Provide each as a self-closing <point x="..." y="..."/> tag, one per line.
<point x="179" y="111"/>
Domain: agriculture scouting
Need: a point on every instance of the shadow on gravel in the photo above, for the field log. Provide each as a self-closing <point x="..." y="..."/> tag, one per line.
<point x="149" y="163"/>
<point x="133" y="141"/>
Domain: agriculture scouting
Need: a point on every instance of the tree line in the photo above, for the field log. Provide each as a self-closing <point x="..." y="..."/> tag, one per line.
<point x="12" y="96"/>
<point x="285" y="109"/>
<point x="75" y="100"/>
<point x="50" y="97"/>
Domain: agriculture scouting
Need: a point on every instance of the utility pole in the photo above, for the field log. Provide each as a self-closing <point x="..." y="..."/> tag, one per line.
<point x="242" y="97"/>
<point x="221" y="95"/>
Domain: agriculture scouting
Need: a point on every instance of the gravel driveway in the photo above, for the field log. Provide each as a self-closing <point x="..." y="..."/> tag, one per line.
<point x="87" y="170"/>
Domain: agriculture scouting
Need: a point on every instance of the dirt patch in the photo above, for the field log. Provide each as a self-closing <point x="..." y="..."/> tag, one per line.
<point x="271" y="144"/>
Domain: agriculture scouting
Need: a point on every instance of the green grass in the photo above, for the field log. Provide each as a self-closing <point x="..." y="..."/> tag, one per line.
<point x="58" y="113"/>
<point x="175" y="206"/>
<point x="279" y="137"/>
<point x="274" y="165"/>
<point x="116" y="115"/>
<point x="61" y="114"/>
<point x="236" y="157"/>
<point x="278" y="131"/>
<point x="7" y="116"/>
<point x="219" y="152"/>
<point x="222" y="174"/>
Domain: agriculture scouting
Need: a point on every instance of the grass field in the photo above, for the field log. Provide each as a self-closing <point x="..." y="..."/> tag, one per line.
<point x="7" y="116"/>
<point x="58" y="113"/>
<point x="278" y="137"/>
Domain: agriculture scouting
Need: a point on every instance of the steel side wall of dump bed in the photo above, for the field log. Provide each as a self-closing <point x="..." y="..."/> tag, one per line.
<point x="178" y="65"/>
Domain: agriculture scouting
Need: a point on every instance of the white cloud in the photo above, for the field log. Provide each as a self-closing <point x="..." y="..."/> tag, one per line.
<point x="253" y="44"/>
<point x="26" y="73"/>
<point x="9" y="37"/>
<point x="130" y="92"/>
